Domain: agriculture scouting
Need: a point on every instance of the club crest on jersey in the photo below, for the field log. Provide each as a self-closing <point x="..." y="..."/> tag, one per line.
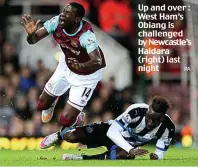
<point x="57" y="34"/>
<point x="74" y="44"/>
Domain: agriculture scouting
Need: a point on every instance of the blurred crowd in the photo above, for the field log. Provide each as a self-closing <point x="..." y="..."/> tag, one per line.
<point x="20" y="86"/>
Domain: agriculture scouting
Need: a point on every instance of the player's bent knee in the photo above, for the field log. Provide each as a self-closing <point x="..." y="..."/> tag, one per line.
<point x="66" y="121"/>
<point x="70" y="111"/>
<point x="69" y="116"/>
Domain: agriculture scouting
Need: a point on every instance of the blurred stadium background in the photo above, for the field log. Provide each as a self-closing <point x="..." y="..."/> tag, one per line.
<point x="25" y="69"/>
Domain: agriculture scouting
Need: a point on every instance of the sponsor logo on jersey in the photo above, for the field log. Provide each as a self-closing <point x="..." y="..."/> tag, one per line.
<point x="74" y="44"/>
<point x="75" y="52"/>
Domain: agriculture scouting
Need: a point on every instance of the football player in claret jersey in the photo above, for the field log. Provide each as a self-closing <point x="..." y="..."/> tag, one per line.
<point x="80" y="66"/>
<point x="137" y="126"/>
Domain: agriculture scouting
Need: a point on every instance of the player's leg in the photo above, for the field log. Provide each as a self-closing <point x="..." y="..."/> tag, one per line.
<point x="74" y="135"/>
<point x="78" y="98"/>
<point x="91" y="135"/>
<point x="94" y="135"/>
<point x="70" y="134"/>
<point x="55" y="87"/>
<point x="72" y="114"/>
<point x="81" y="91"/>
<point x="102" y="156"/>
<point x="70" y="117"/>
<point x="114" y="154"/>
<point x="46" y="104"/>
<point x="45" y="101"/>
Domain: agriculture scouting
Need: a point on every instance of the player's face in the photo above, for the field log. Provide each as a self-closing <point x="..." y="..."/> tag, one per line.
<point x="68" y="17"/>
<point x="153" y="119"/>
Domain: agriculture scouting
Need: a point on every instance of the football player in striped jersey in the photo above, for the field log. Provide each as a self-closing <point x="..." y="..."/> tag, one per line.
<point x="136" y="127"/>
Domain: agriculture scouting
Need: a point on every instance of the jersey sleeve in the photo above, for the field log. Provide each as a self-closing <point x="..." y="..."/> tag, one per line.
<point x="51" y="24"/>
<point x="88" y="41"/>
<point x="114" y="133"/>
<point x="131" y="115"/>
<point x="163" y="143"/>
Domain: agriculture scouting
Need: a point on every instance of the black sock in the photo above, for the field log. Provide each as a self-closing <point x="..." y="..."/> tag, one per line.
<point x="98" y="156"/>
<point x="59" y="135"/>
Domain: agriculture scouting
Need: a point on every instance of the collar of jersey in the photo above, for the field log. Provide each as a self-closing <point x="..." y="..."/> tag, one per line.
<point x="71" y="35"/>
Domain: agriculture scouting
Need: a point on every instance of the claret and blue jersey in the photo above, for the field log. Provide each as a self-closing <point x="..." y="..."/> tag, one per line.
<point x="77" y="45"/>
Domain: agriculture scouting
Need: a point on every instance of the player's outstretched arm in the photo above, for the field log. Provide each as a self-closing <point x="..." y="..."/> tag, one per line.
<point x="114" y="133"/>
<point x="32" y="28"/>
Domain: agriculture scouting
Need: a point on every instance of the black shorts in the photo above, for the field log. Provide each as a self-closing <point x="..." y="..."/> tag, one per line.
<point x="96" y="135"/>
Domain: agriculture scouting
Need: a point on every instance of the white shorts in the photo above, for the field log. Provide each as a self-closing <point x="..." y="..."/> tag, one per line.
<point x="81" y="86"/>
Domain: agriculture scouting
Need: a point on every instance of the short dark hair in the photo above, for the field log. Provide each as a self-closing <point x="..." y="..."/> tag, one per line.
<point x="160" y="104"/>
<point x="79" y="7"/>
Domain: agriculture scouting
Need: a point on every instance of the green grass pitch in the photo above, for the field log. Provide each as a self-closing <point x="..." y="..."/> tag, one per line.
<point x="174" y="157"/>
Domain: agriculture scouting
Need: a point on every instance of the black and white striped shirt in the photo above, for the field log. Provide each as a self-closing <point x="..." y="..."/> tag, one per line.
<point x="134" y="130"/>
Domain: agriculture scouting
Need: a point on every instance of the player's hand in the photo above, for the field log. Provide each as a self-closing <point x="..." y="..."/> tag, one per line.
<point x="138" y="152"/>
<point x="153" y="156"/>
<point x="29" y="24"/>
<point x="74" y="63"/>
